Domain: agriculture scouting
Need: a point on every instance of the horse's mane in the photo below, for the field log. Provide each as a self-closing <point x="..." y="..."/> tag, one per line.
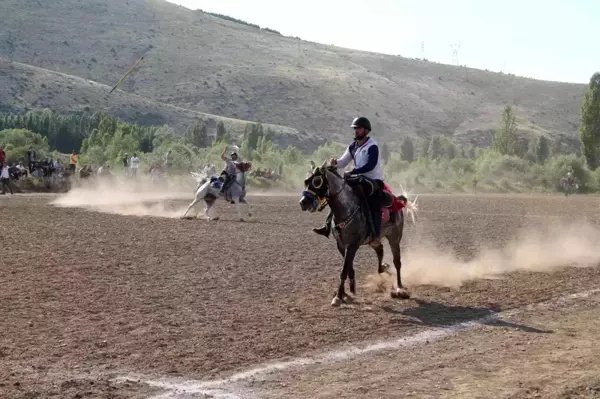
<point x="243" y="166"/>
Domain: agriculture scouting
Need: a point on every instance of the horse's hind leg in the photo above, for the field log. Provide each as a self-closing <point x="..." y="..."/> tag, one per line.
<point x="400" y="292"/>
<point x="210" y="212"/>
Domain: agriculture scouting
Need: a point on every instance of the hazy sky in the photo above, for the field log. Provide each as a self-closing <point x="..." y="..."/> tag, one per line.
<point x="543" y="39"/>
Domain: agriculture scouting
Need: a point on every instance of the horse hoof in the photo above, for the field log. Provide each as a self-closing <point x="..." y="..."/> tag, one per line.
<point x="400" y="293"/>
<point x="215" y="219"/>
<point x="336" y="302"/>
<point x="384" y="268"/>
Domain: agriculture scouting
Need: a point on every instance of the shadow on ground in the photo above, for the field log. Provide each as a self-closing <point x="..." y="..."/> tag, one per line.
<point x="437" y="314"/>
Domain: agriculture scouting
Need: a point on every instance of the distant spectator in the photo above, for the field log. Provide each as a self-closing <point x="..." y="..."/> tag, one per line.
<point x="58" y="167"/>
<point x="31" y="159"/>
<point x="5" y="179"/>
<point x="73" y="162"/>
<point x="169" y="159"/>
<point x="126" y="163"/>
<point x="134" y="163"/>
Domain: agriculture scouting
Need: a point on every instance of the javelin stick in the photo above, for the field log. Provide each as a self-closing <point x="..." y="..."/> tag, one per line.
<point x="128" y="72"/>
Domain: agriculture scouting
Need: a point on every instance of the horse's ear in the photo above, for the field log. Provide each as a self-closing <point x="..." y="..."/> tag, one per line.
<point x="312" y="166"/>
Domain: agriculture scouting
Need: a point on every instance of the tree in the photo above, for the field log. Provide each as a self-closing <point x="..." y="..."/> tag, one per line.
<point x="407" y="149"/>
<point x="197" y="135"/>
<point x="556" y="148"/>
<point x="221" y="131"/>
<point x="542" y="149"/>
<point x="252" y="133"/>
<point x="449" y="149"/>
<point x="424" y="147"/>
<point x="472" y="153"/>
<point x="435" y="150"/>
<point x="16" y="143"/>
<point x="589" y="128"/>
<point x="505" y="140"/>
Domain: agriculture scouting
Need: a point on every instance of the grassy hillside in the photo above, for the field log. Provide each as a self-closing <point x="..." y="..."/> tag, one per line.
<point x="211" y="65"/>
<point x="25" y="87"/>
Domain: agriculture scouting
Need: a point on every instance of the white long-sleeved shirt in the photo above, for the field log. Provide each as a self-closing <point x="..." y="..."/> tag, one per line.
<point x="365" y="157"/>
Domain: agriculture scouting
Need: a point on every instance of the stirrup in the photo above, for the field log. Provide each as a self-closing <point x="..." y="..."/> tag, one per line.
<point x="373" y="241"/>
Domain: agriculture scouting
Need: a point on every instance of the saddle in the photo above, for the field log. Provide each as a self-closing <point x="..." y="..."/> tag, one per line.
<point x="390" y="203"/>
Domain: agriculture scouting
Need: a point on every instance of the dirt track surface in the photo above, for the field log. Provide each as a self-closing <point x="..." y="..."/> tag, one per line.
<point x="88" y="296"/>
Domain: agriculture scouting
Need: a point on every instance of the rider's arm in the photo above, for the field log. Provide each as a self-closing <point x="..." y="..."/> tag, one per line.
<point x="345" y="159"/>
<point x="223" y="156"/>
<point x="373" y="156"/>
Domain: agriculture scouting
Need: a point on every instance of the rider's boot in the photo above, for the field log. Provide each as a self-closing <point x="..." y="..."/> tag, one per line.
<point x="374" y="220"/>
<point x="326" y="229"/>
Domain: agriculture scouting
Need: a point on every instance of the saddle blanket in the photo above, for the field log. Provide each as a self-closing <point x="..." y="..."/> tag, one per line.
<point x="215" y="182"/>
<point x="397" y="205"/>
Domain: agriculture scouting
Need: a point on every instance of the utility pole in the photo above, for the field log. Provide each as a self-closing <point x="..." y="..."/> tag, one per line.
<point x="423" y="50"/>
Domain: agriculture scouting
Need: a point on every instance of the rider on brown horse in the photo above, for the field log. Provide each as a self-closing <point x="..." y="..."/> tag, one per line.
<point x="364" y="152"/>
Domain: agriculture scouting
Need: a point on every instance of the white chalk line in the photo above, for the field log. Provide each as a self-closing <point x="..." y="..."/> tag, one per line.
<point x="514" y="215"/>
<point x="225" y="388"/>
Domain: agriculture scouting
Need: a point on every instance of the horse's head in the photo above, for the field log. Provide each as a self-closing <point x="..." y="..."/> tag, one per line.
<point x="316" y="187"/>
<point x="243" y="166"/>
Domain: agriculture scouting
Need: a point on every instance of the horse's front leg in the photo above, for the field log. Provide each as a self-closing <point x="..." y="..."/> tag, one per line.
<point x="348" y="265"/>
<point x="381" y="266"/>
<point x="245" y="201"/>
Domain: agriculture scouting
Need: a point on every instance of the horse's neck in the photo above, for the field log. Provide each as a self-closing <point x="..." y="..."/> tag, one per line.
<point x="239" y="177"/>
<point x="343" y="202"/>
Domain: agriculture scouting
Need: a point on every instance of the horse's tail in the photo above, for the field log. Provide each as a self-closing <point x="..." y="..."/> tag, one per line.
<point x="412" y="208"/>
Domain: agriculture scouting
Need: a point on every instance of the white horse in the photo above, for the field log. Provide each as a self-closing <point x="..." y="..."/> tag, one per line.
<point x="208" y="192"/>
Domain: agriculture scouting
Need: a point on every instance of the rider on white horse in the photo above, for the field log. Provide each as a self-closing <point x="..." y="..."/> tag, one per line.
<point x="228" y="173"/>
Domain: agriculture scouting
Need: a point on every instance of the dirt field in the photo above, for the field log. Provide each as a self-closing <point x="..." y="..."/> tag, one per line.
<point x="116" y="306"/>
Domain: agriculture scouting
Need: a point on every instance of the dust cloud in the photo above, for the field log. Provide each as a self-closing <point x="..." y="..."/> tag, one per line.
<point x="533" y="249"/>
<point x="142" y="196"/>
<point x="138" y="197"/>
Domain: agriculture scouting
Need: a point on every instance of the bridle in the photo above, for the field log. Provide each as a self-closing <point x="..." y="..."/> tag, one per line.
<point x="320" y="202"/>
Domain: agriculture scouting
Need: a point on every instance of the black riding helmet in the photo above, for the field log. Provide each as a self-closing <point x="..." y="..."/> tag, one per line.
<point x="361" y="121"/>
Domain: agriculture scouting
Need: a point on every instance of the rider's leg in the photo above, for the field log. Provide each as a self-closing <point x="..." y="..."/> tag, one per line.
<point x="226" y="181"/>
<point x="326" y="229"/>
<point x="374" y="202"/>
